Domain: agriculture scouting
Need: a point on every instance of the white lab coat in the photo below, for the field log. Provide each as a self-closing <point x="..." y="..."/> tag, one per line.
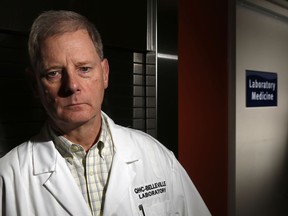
<point x="35" y="180"/>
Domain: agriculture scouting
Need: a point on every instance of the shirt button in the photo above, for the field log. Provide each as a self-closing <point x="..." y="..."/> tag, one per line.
<point x="74" y="148"/>
<point x="91" y="173"/>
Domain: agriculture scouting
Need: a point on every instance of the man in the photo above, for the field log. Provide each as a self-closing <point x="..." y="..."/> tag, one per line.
<point x="82" y="163"/>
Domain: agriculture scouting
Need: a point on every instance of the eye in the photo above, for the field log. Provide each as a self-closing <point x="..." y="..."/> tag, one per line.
<point x="52" y="75"/>
<point x="84" y="69"/>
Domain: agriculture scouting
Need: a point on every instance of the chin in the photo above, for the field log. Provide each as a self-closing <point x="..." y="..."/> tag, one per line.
<point x="78" y="119"/>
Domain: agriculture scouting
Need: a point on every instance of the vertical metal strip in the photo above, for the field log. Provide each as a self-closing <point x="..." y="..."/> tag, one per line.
<point x="152" y="46"/>
<point x="152" y="25"/>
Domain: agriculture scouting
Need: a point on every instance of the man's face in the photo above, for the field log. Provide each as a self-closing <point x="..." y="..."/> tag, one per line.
<point x="72" y="82"/>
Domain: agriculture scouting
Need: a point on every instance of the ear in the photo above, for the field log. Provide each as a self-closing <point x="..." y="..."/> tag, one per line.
<point x="32" y="81"/>
<point x="105" y="68"/>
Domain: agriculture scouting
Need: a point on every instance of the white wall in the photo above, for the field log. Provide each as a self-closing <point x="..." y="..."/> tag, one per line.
<point x="261" y="133"/>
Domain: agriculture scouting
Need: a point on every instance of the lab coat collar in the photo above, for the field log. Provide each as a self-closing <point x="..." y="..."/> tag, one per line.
<point x="123" y="144"/>
<point x="49" y="165"/>
<point x="44" y="148"/>
<point x="44" y="153"/>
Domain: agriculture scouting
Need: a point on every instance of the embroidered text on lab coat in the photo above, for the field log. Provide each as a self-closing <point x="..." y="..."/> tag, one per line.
<point x="149" y="190"/>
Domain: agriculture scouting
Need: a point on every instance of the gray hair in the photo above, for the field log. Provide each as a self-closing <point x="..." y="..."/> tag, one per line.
<point x="51" y="23"/>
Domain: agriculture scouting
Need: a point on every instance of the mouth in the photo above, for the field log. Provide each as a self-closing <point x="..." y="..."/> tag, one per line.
<point x="74" y="106"/>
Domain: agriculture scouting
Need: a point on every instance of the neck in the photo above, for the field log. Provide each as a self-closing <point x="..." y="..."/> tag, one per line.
<point x="85" y="135"/>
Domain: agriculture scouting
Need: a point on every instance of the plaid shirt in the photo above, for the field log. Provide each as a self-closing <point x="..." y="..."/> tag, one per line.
<point x="90" y="170"/>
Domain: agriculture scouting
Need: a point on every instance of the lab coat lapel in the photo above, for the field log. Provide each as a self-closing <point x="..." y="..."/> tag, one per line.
<point x="64" y="189"/>
<point x="122" y="174"/>
<point x="55" y="176"/>
<point x="119" y="185"/>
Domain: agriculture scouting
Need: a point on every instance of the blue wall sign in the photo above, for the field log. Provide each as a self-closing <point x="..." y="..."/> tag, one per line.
<point x="261" y="89"/>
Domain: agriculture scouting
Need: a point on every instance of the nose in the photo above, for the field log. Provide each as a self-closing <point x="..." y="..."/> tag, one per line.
<point x="70" y="83"/>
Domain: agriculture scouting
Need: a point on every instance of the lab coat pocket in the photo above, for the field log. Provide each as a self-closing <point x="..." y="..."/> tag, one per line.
<point x="152" y="198"/>
<point x="158" y="209"/>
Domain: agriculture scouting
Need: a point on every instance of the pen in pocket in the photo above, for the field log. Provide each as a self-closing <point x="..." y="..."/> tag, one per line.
<point x="142" y="209"/>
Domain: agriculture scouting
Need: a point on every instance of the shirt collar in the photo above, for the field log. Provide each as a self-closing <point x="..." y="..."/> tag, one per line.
<point x="66" y="148"/>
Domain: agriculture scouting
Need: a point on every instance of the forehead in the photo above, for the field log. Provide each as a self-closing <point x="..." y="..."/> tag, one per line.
<point x="74" y="48"/>
<point x="70" y="43"/>
<point x="68" y="37"/>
